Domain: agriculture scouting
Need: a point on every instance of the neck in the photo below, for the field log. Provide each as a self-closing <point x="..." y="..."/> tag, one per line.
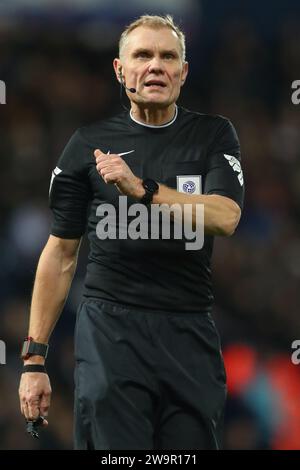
<point x="152" y="116"/>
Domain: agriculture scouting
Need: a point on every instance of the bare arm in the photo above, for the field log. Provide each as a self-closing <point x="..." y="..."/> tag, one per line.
<point x="54" y="276"/>
<point x="221" y="214"/>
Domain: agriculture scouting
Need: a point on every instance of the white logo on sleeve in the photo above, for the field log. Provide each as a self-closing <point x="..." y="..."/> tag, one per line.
<point x="55" y="172"/>
<point x="236" y="166"/>
<point x="189" y="184"/>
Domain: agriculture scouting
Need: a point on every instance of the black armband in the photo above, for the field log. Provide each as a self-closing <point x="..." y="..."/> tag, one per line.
<point x="34" y="368"/>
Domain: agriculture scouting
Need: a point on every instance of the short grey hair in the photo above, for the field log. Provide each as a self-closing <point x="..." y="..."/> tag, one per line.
<point x="155" y="22"/>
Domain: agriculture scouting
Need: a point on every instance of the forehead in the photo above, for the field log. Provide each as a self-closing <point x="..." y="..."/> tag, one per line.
<point x="148" y="38"/>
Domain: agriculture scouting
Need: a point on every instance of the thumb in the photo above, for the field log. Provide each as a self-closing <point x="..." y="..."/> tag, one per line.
<point x="45" y="423"/>
<point x="98" y="153"/>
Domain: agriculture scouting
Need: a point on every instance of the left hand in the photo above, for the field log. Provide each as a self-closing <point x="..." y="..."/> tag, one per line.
<point x="113" y="170"/>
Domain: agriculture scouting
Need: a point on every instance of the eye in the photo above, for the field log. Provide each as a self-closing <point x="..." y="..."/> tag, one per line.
<point x="169" y="56"/>
<point x="143" y="55"/>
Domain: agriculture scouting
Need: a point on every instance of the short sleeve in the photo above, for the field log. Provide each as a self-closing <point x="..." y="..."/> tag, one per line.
<point x="224" y="174"/>
<point x="69" y="192"/>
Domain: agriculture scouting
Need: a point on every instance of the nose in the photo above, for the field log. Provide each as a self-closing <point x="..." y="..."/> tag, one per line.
<point x="155" y="65"/>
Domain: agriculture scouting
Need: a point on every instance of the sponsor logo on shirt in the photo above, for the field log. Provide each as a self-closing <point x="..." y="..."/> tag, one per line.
<point x="189" y="187"/>
<point x="123" y="153"/>
<point x="189" y="184"/>
<point x="236" y="166"/>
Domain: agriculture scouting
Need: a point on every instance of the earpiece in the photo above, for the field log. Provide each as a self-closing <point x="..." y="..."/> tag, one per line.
<point x="122" y="81"/>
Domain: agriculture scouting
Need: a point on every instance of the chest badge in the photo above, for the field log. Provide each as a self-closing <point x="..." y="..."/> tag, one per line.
<point x="189" y="184"/>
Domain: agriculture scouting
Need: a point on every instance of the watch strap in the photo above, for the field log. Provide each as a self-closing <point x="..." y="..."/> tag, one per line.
<point x="147" y="198"/>
<point x="149" y="193"/>
<point x="31" y="348"/>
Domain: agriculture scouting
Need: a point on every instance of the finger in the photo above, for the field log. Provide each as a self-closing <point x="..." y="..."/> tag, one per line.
<point x="107" y="170"/>
<point x="33" y="408"/>
<point x="45" y="404"/>
<point x="21" y="404"/>
<point x="103" y="171"/>
<point x="23" y="408"/>
<point x="107" y="160"/>
<point x="26" y="411"/>
<point x="103" y="160"/>
<point x="111" y="178"/>
<point x="110" y="165"/>
<point x="103" y="165"/>
<point x="44" y="410"/>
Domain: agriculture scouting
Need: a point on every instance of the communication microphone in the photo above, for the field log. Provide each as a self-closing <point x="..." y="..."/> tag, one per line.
<point x="132" y="90"/>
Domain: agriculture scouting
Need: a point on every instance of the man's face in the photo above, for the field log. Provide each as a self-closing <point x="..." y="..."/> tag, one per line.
<point x="151" y="63"/>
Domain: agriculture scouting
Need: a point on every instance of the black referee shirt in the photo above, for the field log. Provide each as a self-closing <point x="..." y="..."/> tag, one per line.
<point x="156" y="274"/>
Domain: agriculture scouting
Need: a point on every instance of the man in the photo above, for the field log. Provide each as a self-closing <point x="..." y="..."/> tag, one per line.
<point x="149" y="370"/>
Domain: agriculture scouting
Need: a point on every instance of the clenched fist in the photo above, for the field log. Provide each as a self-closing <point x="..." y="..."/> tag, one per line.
<point x="113" y="170"/>
<point x="35" y="395"/>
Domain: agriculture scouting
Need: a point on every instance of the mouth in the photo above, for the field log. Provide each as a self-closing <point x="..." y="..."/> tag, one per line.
<point x="155" y="84"/>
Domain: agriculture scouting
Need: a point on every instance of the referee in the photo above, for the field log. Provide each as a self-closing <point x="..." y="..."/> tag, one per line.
<point x="149" y="369"/>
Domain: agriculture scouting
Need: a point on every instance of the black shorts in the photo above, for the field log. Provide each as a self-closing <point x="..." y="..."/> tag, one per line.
<point x="147" y="379"/>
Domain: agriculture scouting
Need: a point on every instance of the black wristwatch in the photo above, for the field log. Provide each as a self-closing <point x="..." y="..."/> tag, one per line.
<point x="30" y="348"/>
<point x="151" y="187"/>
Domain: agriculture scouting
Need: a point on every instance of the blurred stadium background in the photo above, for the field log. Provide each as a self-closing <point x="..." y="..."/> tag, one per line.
<point x="55" y="58"/>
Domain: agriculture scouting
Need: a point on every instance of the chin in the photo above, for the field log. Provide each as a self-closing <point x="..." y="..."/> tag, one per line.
<point x="157" y="103"/>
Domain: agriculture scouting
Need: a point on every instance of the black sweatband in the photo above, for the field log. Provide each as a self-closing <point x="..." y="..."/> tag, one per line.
<point x="34" y="368"/>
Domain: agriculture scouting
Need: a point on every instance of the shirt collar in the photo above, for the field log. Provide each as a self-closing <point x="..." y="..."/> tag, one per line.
<point x="153" y="126"/>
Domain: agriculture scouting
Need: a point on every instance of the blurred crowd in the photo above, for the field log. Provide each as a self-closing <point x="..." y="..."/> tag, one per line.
<point x="55" y="84"/>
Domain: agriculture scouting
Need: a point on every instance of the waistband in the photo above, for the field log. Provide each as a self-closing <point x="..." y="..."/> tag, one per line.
<point x="117" y="307"/>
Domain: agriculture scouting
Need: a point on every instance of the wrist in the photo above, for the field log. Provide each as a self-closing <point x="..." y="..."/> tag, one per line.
<point x="34" y="368"/>
<point x="140" y="190"/>
<point x="150" y="187"/>
<point x="32" y="349"/>
<point x="40" y="360"/>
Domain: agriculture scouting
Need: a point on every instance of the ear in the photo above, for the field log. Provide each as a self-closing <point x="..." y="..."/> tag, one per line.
<point x="117" y="68"/>
<point x="185" y="70"/>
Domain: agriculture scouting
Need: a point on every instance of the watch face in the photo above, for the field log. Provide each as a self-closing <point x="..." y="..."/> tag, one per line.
<point x="150" y="185"/>
<point x="25" y="347"/>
